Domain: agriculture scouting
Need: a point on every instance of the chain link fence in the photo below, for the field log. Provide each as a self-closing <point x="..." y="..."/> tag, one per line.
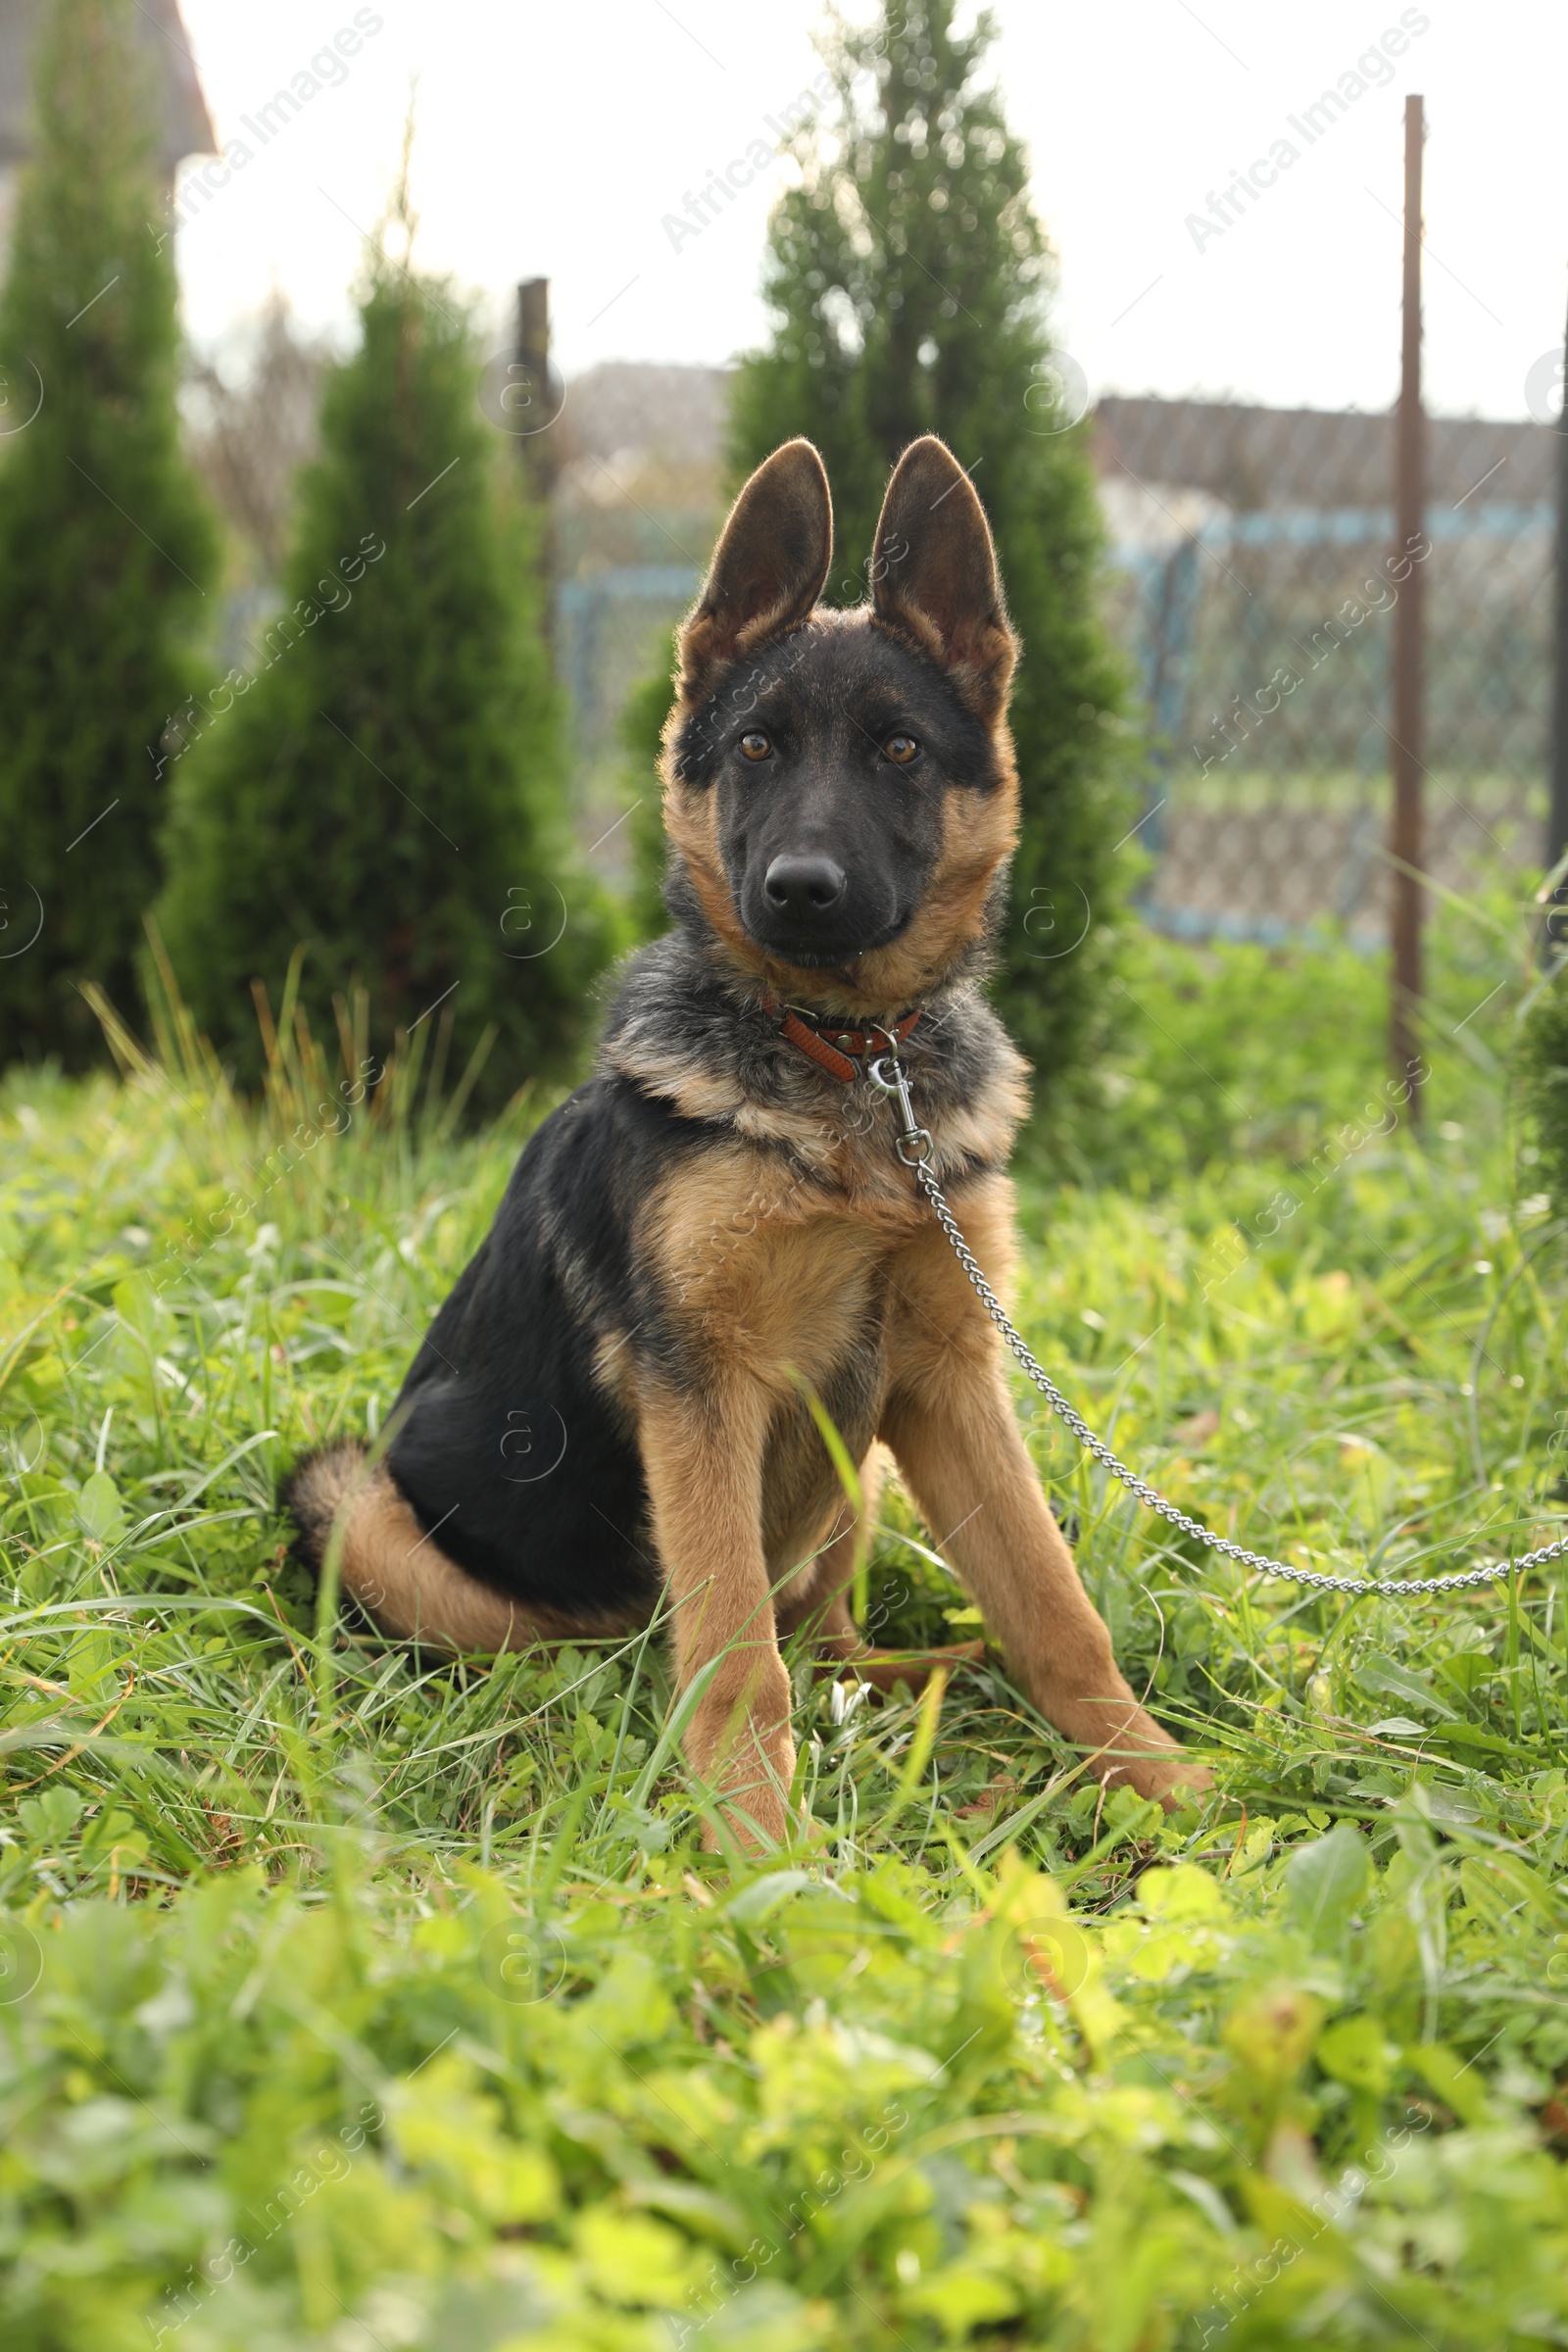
<point x="611" y="627"/>
<point x="1252" y="584"/>
<point x="1255" y="581"/>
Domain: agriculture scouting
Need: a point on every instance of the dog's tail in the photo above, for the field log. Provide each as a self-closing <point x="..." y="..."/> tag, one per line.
<point x="316" y="1490"/>
<point x="387" y="1562"/>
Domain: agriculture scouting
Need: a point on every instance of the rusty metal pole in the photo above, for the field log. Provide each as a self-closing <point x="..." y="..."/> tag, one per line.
<point x="538" y="447"/>
<point x="1409" y="730"/>
<point x="1557" y="820"/>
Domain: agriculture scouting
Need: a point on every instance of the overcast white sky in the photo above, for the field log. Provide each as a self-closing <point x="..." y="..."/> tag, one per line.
<point x="553" y="135"/>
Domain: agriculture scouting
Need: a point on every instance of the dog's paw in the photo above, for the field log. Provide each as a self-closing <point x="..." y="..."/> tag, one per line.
<point x="748" y="1788"/>
<point x="756" y="1820"/>
<point x="886" y="1669"/>
<point x="753" y="1805"/>
<point x="1142" y="1757"/>
<point x="741" y="1751"/>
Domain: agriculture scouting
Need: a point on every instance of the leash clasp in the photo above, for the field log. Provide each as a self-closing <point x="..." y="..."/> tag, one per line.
<point x="887" y="1073"/>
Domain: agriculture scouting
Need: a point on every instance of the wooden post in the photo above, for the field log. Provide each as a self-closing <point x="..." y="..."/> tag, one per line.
<point x="538" y="449"/>
<point x="1557" y="820"/>
<point x="1410" y="731"/>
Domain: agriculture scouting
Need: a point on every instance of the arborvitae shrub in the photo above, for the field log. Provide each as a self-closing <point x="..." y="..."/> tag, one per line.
<point x="908" y="278"/>
<point x="388" y="788"/>
<point x="106" y="549"/>
<point x="1544" y="1068"/>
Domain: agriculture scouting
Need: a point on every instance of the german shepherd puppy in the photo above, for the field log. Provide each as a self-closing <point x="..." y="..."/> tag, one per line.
<point x="609" y="1411"/>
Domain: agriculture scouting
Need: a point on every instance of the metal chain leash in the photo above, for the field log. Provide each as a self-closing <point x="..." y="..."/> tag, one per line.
<point x="913" y="1147"/>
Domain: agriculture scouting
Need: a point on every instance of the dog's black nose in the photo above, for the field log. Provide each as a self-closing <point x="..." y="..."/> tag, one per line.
<point x="803" y="887"/>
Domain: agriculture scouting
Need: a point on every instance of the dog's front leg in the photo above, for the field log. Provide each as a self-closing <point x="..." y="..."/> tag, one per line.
<point x="703" y="1460"/>
<point x="951" y="1423"/>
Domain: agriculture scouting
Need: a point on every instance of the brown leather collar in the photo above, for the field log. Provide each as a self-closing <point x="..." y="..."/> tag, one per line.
<point x="838" y="1047"/>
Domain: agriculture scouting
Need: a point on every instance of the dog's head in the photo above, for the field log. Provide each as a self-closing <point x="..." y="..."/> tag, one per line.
<point x="839" y="786"/>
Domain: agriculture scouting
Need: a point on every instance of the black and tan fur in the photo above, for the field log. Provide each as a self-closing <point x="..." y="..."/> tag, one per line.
<point x="608" y="1408"/>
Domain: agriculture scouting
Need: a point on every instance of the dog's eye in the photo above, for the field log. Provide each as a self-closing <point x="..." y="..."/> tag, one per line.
<point x="756" y="745"/>
<point x="899" y="748"/>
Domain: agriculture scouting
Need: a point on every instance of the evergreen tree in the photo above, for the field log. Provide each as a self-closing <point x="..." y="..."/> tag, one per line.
<point x="908" y="276"/>
<point x="387" y="789"/>
<point x="106" y="550"/>
<point x="641" y="723"/>
<point x="1544" y="1064"/>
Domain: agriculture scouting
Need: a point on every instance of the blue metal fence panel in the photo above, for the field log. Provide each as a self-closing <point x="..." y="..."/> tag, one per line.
<point x="1263" y="646"/>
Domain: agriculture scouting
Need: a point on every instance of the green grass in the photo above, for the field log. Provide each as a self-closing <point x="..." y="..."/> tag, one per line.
<point x="379" y="2003"/>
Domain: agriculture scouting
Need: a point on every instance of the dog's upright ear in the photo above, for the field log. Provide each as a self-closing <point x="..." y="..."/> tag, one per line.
<point x="768" y="568"/>
<point x="934" y="567"/>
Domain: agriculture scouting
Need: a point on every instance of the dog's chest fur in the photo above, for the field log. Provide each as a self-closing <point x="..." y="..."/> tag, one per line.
<point x="785" y="1247"/>
<point x="774" y="1274"/>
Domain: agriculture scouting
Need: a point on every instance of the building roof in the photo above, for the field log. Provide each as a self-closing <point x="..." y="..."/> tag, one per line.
<point x="1251" y="457"/>
<point x="1223" y="454"/>
<point x="185" y="126"/>
<point x="672" y="411"/>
